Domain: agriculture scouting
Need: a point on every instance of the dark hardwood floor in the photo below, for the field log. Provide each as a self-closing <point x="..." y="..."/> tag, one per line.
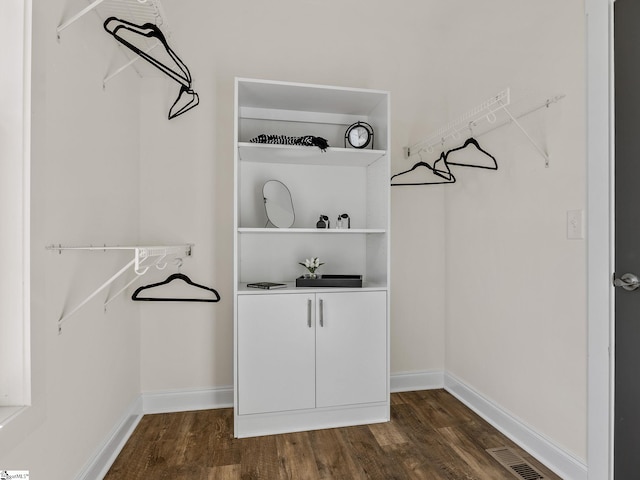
<point x="431" y="436"/>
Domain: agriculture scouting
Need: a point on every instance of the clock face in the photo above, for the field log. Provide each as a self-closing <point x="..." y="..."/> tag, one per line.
<point x="359" y="136"/>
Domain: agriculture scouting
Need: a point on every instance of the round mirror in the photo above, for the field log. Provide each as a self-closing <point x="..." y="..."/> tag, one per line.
<point x="278" y="204"/>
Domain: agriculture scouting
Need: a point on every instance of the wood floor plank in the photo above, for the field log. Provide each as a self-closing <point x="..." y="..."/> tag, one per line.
<point x="210" y="441"/>
<point x="387" y="434"/>
<point x="431" y="436"/>
<point x="365" y="451"/>
<point x="437" y="408"/>
<point x="223" y="448"/>
<point x="435" y="457"/>
<point x="475" y="457"/>
<point x="414" y="464"/>
<point x="259" y="459"/>
<point x="296" y="456"/>
<point x="332" y="459"/>
<point x="136" y="456"/>
<point x="224" y="472"/>
<point x="168" y="434"/>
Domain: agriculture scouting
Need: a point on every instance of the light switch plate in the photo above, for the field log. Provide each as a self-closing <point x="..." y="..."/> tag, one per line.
<point x="575" y="224"/>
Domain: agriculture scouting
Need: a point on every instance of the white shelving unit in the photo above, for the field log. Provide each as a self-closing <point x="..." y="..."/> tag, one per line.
<point x="271" y="325"/>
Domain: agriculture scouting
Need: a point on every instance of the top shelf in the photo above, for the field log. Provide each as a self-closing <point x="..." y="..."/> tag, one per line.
<point x="293" y="154"/>
<point x="261" y="94"/>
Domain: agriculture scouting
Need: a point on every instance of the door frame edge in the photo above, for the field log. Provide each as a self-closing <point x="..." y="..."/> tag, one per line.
<point x="600" y="295"/>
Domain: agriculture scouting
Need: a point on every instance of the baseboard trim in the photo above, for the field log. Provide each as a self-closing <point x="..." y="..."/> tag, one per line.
<point x="412" y="381"/>
<point x="100" y="463"/>
<point x="187" y="400"/>
<point x="222" y="397"/>
<point x="555" y="458"/>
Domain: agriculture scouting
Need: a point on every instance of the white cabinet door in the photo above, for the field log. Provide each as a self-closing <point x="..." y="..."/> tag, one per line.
<point x="351" y="348"/>
<point x="276" y="353"/>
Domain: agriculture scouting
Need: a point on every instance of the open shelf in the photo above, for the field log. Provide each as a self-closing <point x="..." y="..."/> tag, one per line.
<point x="291" y="288"/>
<point x="321" y="231"/>
<point x="294" y="154"/>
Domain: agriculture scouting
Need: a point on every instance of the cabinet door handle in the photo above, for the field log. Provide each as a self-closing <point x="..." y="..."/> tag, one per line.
<point x="321" y="313"/>
<point x="309" y="313"/>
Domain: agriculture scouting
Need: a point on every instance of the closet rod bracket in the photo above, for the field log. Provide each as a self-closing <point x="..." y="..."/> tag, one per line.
<point x="76" y="17"/>
<point x="542" y="152"/>
<point x="153" y="255"/>
<point x="138" y="11"/>
<point x="485" y="111"/>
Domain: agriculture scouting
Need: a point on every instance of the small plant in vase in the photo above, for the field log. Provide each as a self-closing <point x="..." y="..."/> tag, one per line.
<point x="311" y="264"/>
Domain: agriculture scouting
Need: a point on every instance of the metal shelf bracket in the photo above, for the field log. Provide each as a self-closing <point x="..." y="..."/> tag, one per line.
<point x="144" y="258"/>
<point x="135" y="11"/>
<point x="486" y="111"/>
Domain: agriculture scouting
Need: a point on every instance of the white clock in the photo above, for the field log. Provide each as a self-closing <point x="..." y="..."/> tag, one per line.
<point x="359" y="135"/>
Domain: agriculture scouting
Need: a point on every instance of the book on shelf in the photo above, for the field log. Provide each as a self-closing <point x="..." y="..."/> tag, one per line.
<point x="266" y="285"/>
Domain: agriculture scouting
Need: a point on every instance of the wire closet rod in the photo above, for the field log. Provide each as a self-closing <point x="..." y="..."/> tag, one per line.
<point x="150" y="249"/>
<point x="141" y="253"/>
<point x="136" y="11"/>
<point x="486" y="109"/>
<point x="514" y="119"/>
<point x="483" y="112"/>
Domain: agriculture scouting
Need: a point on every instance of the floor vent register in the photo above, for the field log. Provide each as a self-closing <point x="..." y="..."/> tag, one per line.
<point x="517" y="465"/>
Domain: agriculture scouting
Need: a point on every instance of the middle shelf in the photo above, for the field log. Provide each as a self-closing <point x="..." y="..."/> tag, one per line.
<point x="274" y="255"/>
<point x="321" y="231"/>
<point x="291" y="288"/>
<point x="333" y="156"/>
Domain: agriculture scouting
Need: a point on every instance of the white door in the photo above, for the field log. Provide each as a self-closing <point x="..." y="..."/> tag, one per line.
<point x="351" y="348"/>
<point x="276" y="353"/>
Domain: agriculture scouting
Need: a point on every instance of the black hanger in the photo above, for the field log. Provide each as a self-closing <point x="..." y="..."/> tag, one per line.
<point x="175" y="276"/>
<point x="474" y="142"/>
<point x="116" y="27"/>
<point x="445" y="174"/>
<point x="187" y="99"/>
<point x="113" y="25"/>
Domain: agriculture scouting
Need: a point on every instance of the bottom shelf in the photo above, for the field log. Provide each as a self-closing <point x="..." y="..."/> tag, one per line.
<point x="290" y="287"/>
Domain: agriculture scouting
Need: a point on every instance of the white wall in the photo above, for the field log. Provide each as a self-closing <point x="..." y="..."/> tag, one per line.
<point x="190" y="347"/>
<point x="104" y="161"/>
<point x="516" y="286"/>
<point x="480" y="235"/>
<point x="486" y="259"/>
<point x="84" y="191"/>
